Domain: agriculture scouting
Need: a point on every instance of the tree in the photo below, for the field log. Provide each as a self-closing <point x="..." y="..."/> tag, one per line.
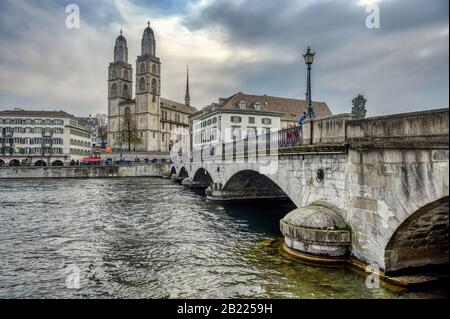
<point x="128" y="130"/>
<point x="102" y="120"/>
<point x="359" y="107"/>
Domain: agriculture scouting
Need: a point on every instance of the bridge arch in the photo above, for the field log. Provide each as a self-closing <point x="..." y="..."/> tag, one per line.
<point x="173" y="171"/>
<point x="250" y="184"/>
<point x="2" y="162"/>
<point x="421" y="240"/>
<point x="40" y="163"/>
<point x="14" y="162"/>
<point x="58" y="163"/>
<point x="202" y="176"/>
<point x="183" y="173"/>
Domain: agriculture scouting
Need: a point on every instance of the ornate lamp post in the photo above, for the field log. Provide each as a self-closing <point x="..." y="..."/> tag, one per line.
<point x="309" y="59"/>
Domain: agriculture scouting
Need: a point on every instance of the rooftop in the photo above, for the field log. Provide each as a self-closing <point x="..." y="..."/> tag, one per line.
<point x="291" y="108"/>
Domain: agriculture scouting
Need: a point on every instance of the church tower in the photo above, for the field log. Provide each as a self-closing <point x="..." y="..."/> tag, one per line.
<point x="148" y="93"/>
<point x="187" y="96"/>
<point x="120" y="86"/>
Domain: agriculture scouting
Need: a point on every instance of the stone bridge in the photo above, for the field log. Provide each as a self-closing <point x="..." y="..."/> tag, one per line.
<point x="386" y="177"/>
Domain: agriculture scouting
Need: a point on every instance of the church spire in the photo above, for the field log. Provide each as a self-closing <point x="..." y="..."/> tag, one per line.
<point x="187" y="97"/>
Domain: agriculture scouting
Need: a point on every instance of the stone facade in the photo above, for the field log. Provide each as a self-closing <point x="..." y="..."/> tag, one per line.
<point x="160" y="122"/>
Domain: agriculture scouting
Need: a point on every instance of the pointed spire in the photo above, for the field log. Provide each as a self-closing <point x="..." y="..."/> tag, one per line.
<point x="148" y="23"/>
<point x="121" y="31"/>
<point x="187" y="97"/>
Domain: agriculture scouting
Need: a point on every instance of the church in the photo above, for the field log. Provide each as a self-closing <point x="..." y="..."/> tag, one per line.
<point x="159" y="121"/>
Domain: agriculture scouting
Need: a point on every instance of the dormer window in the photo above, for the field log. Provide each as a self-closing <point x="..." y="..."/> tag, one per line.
<point x="242" y="105"/>
<point x="257" y="106"/>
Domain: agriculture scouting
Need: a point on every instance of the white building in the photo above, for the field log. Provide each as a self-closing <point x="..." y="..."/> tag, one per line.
<point x="42" y="137"/>
<point x="242" y="115"/>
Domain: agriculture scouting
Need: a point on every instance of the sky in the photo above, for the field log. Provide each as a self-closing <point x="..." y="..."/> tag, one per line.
<point x="252" y="46"/>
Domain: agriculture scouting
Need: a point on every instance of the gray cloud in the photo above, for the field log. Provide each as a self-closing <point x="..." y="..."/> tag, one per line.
<point x="249" y="46"/>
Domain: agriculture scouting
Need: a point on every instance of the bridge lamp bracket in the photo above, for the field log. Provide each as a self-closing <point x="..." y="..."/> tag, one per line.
<point x="320" y="175"/>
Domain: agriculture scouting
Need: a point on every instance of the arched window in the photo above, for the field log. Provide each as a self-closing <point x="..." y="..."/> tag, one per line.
<point x="154" y="69"/>
<point x="125" y="74"/>
<point x="125" y="91"/>
<point x="114" y="90"/>
<point x="142" y="68"/>
<point x="154" y="84"/>
<point x="142" y="85"/>
<point x="127" y="111"/>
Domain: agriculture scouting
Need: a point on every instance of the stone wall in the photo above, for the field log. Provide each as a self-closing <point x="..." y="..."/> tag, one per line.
<point x="143" y="170"/>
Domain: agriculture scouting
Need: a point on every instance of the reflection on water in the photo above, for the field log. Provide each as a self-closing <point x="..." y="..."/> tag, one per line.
<point x="150" y="238"/>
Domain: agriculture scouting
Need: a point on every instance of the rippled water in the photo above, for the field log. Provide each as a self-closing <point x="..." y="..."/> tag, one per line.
<point x="150" y="238"/>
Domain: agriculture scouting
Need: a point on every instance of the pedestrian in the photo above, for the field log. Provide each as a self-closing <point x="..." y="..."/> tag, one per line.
<point x="302" y="119"/>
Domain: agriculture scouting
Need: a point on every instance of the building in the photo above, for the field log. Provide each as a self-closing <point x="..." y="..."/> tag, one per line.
<point x="154" y="116"/>
<point x="95" y="130"/>
<point x="242" y="115"/>
<point x="42" y="137"/>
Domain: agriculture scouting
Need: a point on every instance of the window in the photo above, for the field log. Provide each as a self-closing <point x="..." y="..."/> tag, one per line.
<point x="251" y="120"/>
<point x="236" y="119"/>
<point x="154" y="69"/>
<point x="125" y="91"/>
<point x="236" y="133"/>
<point x="154" y="84"/>
<point x="113" y="92"/>
<point x="214" y="120"/>
<point x="125" y="74"/>
<point x="266" y="121"/>
<point x="257" y="106"/>
<point x="242" y="105"/>
<point x="251" y="131"/>
<point x="141" y="85"/>
<point x="142" y="68"/>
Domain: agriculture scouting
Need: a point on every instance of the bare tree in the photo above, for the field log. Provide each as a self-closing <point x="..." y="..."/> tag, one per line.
<point x="102" y="120"/>
<point x="128" y="130"/>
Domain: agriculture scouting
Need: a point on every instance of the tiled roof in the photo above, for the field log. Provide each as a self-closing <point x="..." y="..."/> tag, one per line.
<point x="291" y="108"/>
<point x="169" y="104"/>
<point x="22" y="113"/>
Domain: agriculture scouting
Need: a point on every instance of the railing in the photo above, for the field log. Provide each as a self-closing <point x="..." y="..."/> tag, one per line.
<point x="253" y="145"/>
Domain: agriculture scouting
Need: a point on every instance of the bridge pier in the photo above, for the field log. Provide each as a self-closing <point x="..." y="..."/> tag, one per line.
<point x="218" y="193"/>
<point x="316" y="232"/>
<point x="193" y="184"/>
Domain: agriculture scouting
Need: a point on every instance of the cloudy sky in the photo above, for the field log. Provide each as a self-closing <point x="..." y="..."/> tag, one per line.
<point x="253" y="46"/>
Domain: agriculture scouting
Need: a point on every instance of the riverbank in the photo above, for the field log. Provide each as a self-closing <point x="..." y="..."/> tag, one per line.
<point x="103" y="171"/>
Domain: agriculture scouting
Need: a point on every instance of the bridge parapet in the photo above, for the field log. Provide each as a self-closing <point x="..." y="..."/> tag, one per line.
<point x="417" y="129"/>
<point x="326" y="130"/>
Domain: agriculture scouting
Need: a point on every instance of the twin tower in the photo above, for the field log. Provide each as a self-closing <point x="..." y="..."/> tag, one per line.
<point x="151" y="112"/>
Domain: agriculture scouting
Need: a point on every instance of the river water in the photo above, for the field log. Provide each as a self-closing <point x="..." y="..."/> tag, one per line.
<point x="150" y="238"/>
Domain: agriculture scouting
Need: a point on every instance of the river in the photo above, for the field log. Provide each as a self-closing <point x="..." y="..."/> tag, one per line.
<point x="150" y="238"/>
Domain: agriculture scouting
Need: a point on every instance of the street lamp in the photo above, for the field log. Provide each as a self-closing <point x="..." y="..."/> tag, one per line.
<point x="309" y="59"/>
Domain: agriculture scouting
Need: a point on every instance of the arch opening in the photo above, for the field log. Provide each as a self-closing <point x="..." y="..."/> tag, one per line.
<point x="173" y="171"/>
<point x="57" y="163"/>
<point x="40" y="163"/>
<point x="248" y="185"/>
<point x="14" y="162"/>
<point x="202" y="176"/>
<point x="183" y="173"/>
<point x="201" y="180"/>
<point x="420" y="243"/>
<point x="2" y="163"/>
